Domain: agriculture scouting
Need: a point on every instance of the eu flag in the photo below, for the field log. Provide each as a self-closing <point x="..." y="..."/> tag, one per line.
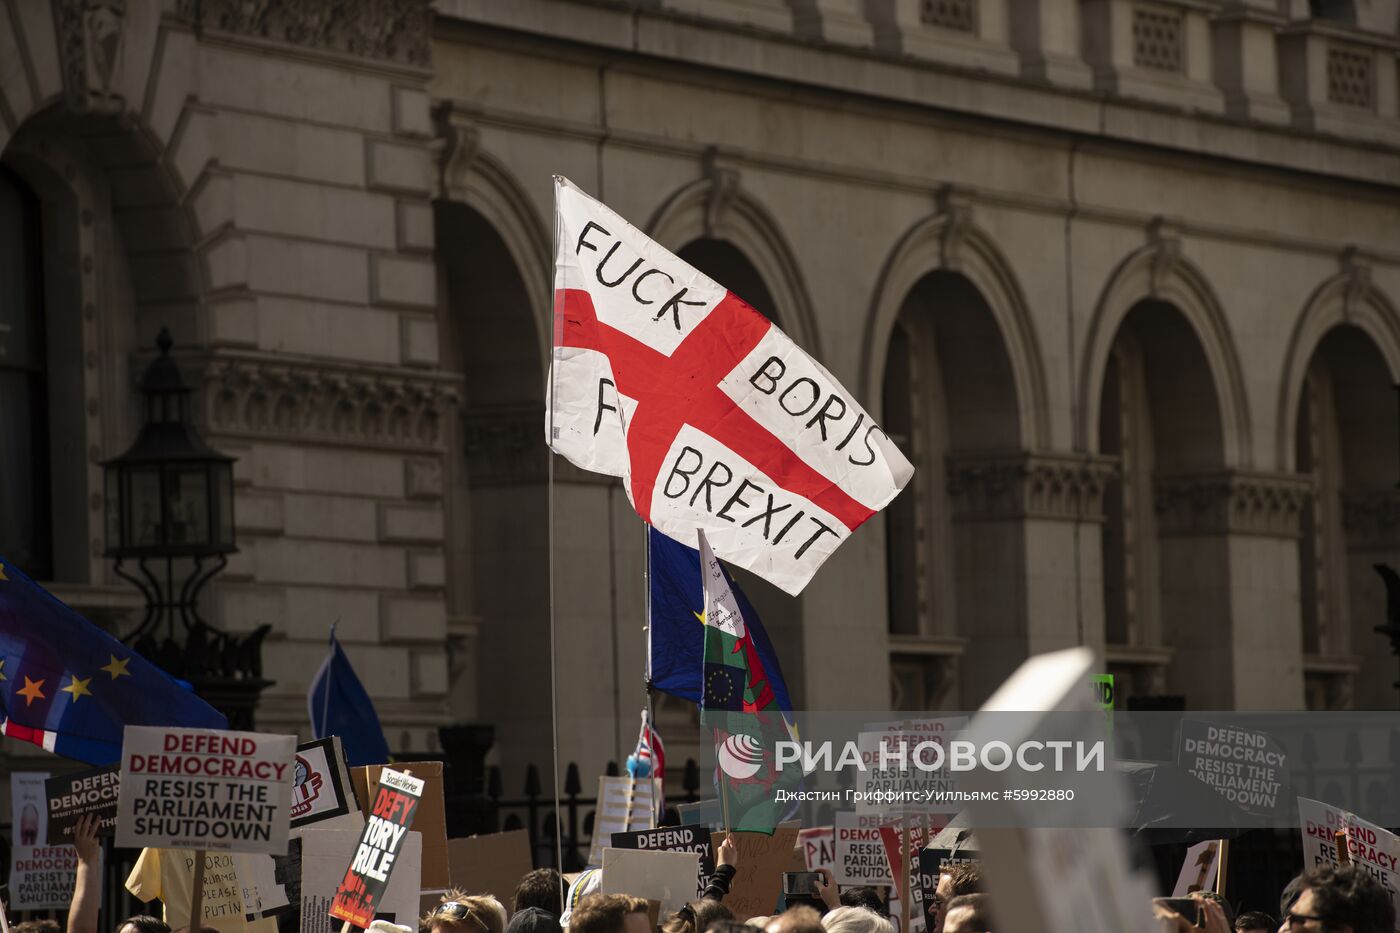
<point x="339" y="705"/>
<point x="678" y="635"/>
<point x="70" y="687"/>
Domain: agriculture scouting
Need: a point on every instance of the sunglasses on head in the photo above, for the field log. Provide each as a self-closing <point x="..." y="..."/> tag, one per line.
<point x="456" y="910"/>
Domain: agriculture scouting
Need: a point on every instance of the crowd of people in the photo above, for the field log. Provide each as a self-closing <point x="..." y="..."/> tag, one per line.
<point x="1322" y="900"/>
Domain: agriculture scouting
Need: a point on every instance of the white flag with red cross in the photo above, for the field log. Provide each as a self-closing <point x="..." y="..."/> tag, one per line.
<point x="714" y="418"/>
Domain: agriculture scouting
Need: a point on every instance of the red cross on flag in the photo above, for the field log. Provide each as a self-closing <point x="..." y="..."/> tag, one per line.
<point x="712" y="416"/>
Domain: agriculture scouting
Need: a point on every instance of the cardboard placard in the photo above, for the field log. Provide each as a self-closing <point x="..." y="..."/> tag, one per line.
<point x="41" y="876"/>
<point x="168" y="875"/>
<point x="666" y="877"/>
<point x="490" y="864"/>
<point x="71" y="796"/>
<point x="674" y="839"/>
<point x="1245" y="766"/>
<point x="624" y="804"/>
<point x="362" y="889"/>
<point x="860" y="852"/>
<point x="1198" y="868"/>
<point x="758" y="879"/>
<point x="320" y="783"/>
<point x="818" y="845"/>
<point x="323" y="855"/>
<point x="1368" y="845"/>
<point x="707" y="813"/>
<point x="429" y="821"/>
<point x="204" y="789"/>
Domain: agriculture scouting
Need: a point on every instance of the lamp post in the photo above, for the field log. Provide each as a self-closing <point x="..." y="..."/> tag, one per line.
<point x="170" y="513"/>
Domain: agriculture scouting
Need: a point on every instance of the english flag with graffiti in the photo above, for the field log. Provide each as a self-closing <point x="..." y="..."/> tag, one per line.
<point x="713" y="417"/>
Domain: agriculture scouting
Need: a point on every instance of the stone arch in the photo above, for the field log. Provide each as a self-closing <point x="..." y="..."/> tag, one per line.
<point x="1348" y="298"/>
<point x="482" y="182"/>
<point x="716" y="208"/>
<point x="950" y="242"/>
<point x="1157" y="272"/>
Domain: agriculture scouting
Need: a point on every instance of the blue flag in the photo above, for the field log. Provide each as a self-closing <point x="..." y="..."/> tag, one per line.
<point x="68" y="686"/>
<point x="339" y="705"/>
<point x="677" y="632"/>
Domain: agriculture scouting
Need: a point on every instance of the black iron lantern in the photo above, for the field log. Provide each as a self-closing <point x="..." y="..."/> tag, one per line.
<point x="170" y="495"/>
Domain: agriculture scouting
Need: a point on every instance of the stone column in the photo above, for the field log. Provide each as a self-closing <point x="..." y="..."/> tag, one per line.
<point x="1228" y="558"/>
<point x="1029" y="570"/>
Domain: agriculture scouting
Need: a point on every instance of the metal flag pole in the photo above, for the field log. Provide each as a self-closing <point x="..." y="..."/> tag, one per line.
<point x="557" y="327"/>
<point x="651" y="709"/>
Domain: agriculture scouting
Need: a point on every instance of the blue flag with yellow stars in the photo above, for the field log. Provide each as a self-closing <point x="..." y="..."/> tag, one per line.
<point x="678" y="632"/>
<point x="69" y="687"/>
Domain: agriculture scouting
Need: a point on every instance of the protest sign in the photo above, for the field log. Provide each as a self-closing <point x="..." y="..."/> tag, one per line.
<point x="707" y="813"/>
<point x="900" y="848"/>
<point x="666" y="877"/>
<point x="1245" y="766"/>
<point x="624" y="804"/>
<point x="429" y="819"/>
<point x="168" y="875"/>
<point x="1367" y="845"/>
<point x="320" y="783"/>
<point x="201" y="789"/>
<point x="490" y="864"/>
<point x="362" y="889"/>
<point x="818" y="845"/>
<point x="890" y="753"/>
<point x="324" y="853"/>
<point x="41" y="876"/>
<point x="674" y="839"/>
<point x="263" y="895"/>
<point x="860" y="852"/>
<point x="761" y="861"/>
<point x="1198" y="868"/>
<point x="71" y="796"/>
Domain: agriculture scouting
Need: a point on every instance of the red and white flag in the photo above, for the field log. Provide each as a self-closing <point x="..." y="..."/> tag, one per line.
<point x="714" y="418"/>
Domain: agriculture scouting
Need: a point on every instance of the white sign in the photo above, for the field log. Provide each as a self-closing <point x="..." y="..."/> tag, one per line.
<point x="624" y="804"/>
<point x="668" y="877"/>
<point x="1198" y="869"/>
<point x="715" y="419"/>
<point x="891" y="752"/>
<point x="860" y="851"/>
<point x="203" y="789"/>
<point x="1368" y="845"/>
<point x="41" y="876"/>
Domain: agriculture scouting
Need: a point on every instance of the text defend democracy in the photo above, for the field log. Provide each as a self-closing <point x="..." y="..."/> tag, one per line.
<point x="213" y="756"/>
<point x="932" y="756"/>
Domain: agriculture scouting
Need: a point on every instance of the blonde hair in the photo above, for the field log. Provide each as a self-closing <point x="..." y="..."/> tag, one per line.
<point x="855" y="920"/>
<point x="485" y="914"/>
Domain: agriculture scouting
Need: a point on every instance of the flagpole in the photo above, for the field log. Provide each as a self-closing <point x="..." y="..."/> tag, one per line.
<point x="651" y="709"/>
<point x="330" y="672"/>
<point x="556" y="330"/>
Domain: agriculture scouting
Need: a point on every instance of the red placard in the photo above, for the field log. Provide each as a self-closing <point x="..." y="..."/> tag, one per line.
<point x="367" y="877"/>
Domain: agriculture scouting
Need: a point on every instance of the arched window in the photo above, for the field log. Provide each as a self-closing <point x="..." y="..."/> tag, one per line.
<point x="26" y="526"/>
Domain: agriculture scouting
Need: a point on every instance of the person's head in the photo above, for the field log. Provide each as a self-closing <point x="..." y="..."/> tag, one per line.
<point x="956" y="880"/>
<point x="1340" y="900"/>
<point x="855" y="920"/>
<point x="37" y="926"/>
<point x="800" y="919"/>
<point x="459" y="912"/>
<point x="540" y="888"/>
<point x="533" y="920"/>
<point x="728" y="926"/>
<point x="143" y="923"/>
<point x="1255" y="921"/>
<point x="967" y="913"/>
<point x="863" y="896"/>
<point x="610" y="913"/>
<point x="696" y="917"/>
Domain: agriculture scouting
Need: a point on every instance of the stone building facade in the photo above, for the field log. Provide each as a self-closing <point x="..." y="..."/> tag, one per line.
<point x="1118" y="275"/>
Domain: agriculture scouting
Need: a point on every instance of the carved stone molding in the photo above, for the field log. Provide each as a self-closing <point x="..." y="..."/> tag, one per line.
<point x="397" y="31"/>
<point x="1372" y="520"/>
<point x="1058" y="487"/>
<point x="723" y="186"/>
<point x="457" y="145"/>
<point x="955" y="208"/>
<point x="1232" y="502"/>
<point x="312" y="401"/>
<point x="90" y="41"/>
<point x="506" y="447"/>
<point x="1356" y="272"/>
<point x="1164" y="241"/>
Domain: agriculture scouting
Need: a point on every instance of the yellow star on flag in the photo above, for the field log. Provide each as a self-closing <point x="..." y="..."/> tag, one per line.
<point x="78" y="687"/>
<point x="2" y="573"/>
<point x="2" y="669"/>
<point x="117" y="668"/>
<point x="31" y="691"/>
